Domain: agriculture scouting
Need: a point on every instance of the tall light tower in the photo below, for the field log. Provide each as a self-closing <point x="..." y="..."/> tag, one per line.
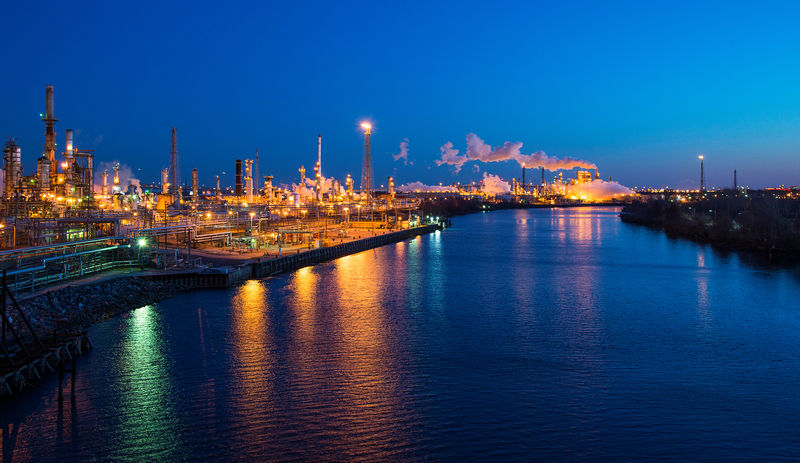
<point x="366" y="171"/>
<point x="702" y="174"/>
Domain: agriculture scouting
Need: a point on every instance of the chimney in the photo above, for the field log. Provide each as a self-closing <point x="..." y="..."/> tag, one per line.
<point x="238" y="177"/>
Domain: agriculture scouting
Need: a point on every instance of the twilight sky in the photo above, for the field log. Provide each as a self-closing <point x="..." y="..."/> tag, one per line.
<point x="639" y="88"/>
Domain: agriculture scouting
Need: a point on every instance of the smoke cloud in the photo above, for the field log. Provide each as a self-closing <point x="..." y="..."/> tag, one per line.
<point x="478" y="150"/>
<point x="450" y="156"/>
<point x="419" y="187"/>
<point x="494" y="185"/>
<point x="598" y="190"/>
<point x="403" y="154"/>
<point x="126" y="177"/>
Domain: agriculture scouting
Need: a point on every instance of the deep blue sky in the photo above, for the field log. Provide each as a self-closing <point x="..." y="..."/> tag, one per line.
<point x="638" y="88"/>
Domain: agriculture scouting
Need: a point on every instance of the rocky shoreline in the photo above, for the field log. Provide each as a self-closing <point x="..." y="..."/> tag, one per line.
<point x="75" y="308"/>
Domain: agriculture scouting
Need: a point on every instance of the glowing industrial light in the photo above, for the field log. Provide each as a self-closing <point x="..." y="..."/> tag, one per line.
<point x="701" y="157"/>
<point x="141" y="242"/>
<point x="252" y="214"/>
<point x="366" y="125"/>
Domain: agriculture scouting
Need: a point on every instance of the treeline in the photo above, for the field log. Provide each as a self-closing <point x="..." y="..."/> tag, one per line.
<point x="452" y="206"/>
<point x="759" y="223"/>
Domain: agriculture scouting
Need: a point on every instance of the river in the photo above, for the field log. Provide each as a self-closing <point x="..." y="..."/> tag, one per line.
<point x="547" y="334"/>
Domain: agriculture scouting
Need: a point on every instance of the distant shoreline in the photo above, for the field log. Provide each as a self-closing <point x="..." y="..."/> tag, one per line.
<point x="454" y="207"/>
<point x="766" y="226"/>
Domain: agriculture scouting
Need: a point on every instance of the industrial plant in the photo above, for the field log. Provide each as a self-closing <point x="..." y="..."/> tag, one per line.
<point x="66" y="219"/>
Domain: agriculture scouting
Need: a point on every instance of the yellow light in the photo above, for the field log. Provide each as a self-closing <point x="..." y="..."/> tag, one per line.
<point x="700" y="157"/>
<point x="252" y="214"/>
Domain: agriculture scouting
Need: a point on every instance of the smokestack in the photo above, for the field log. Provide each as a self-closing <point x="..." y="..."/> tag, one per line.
<point x="217" y="191"/>
<point x="104" y="184"/>
<point x="50" y="131"/>
<point x="195" y="185"/>
<point x="596" y="176"/>
<point x="523" y="177"/>
<point x="319" y="152"/>
<point x="238" y="190"/>
<point x="255" y="172"/>
<point x="175" y="183"/>
<point x="543" y="176"/>
<point x="735" y="183"/>
<point x="69" y="141"/>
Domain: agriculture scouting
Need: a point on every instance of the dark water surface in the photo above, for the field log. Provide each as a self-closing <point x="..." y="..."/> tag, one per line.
<point x="516" y="335"/>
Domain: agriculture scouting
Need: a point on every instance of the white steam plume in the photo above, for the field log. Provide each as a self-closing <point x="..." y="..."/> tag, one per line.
<point x="126" y="177"/>
<point x="598" y="190"/>
<point x="403" y="154"/>
<point x="494" y="185"/>
<point x="478" y="150"/>
<point x="450" y="156"/>
<point x="419" y="187"/>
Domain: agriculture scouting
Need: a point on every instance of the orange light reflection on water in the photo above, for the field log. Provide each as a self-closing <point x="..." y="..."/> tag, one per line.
<point x="253" y="363"/>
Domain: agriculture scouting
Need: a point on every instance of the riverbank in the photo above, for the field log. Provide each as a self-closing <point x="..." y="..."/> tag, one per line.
<point x="453" y="207"/>
<point x="74" y="307"/>
<point x="763" y="225"/>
